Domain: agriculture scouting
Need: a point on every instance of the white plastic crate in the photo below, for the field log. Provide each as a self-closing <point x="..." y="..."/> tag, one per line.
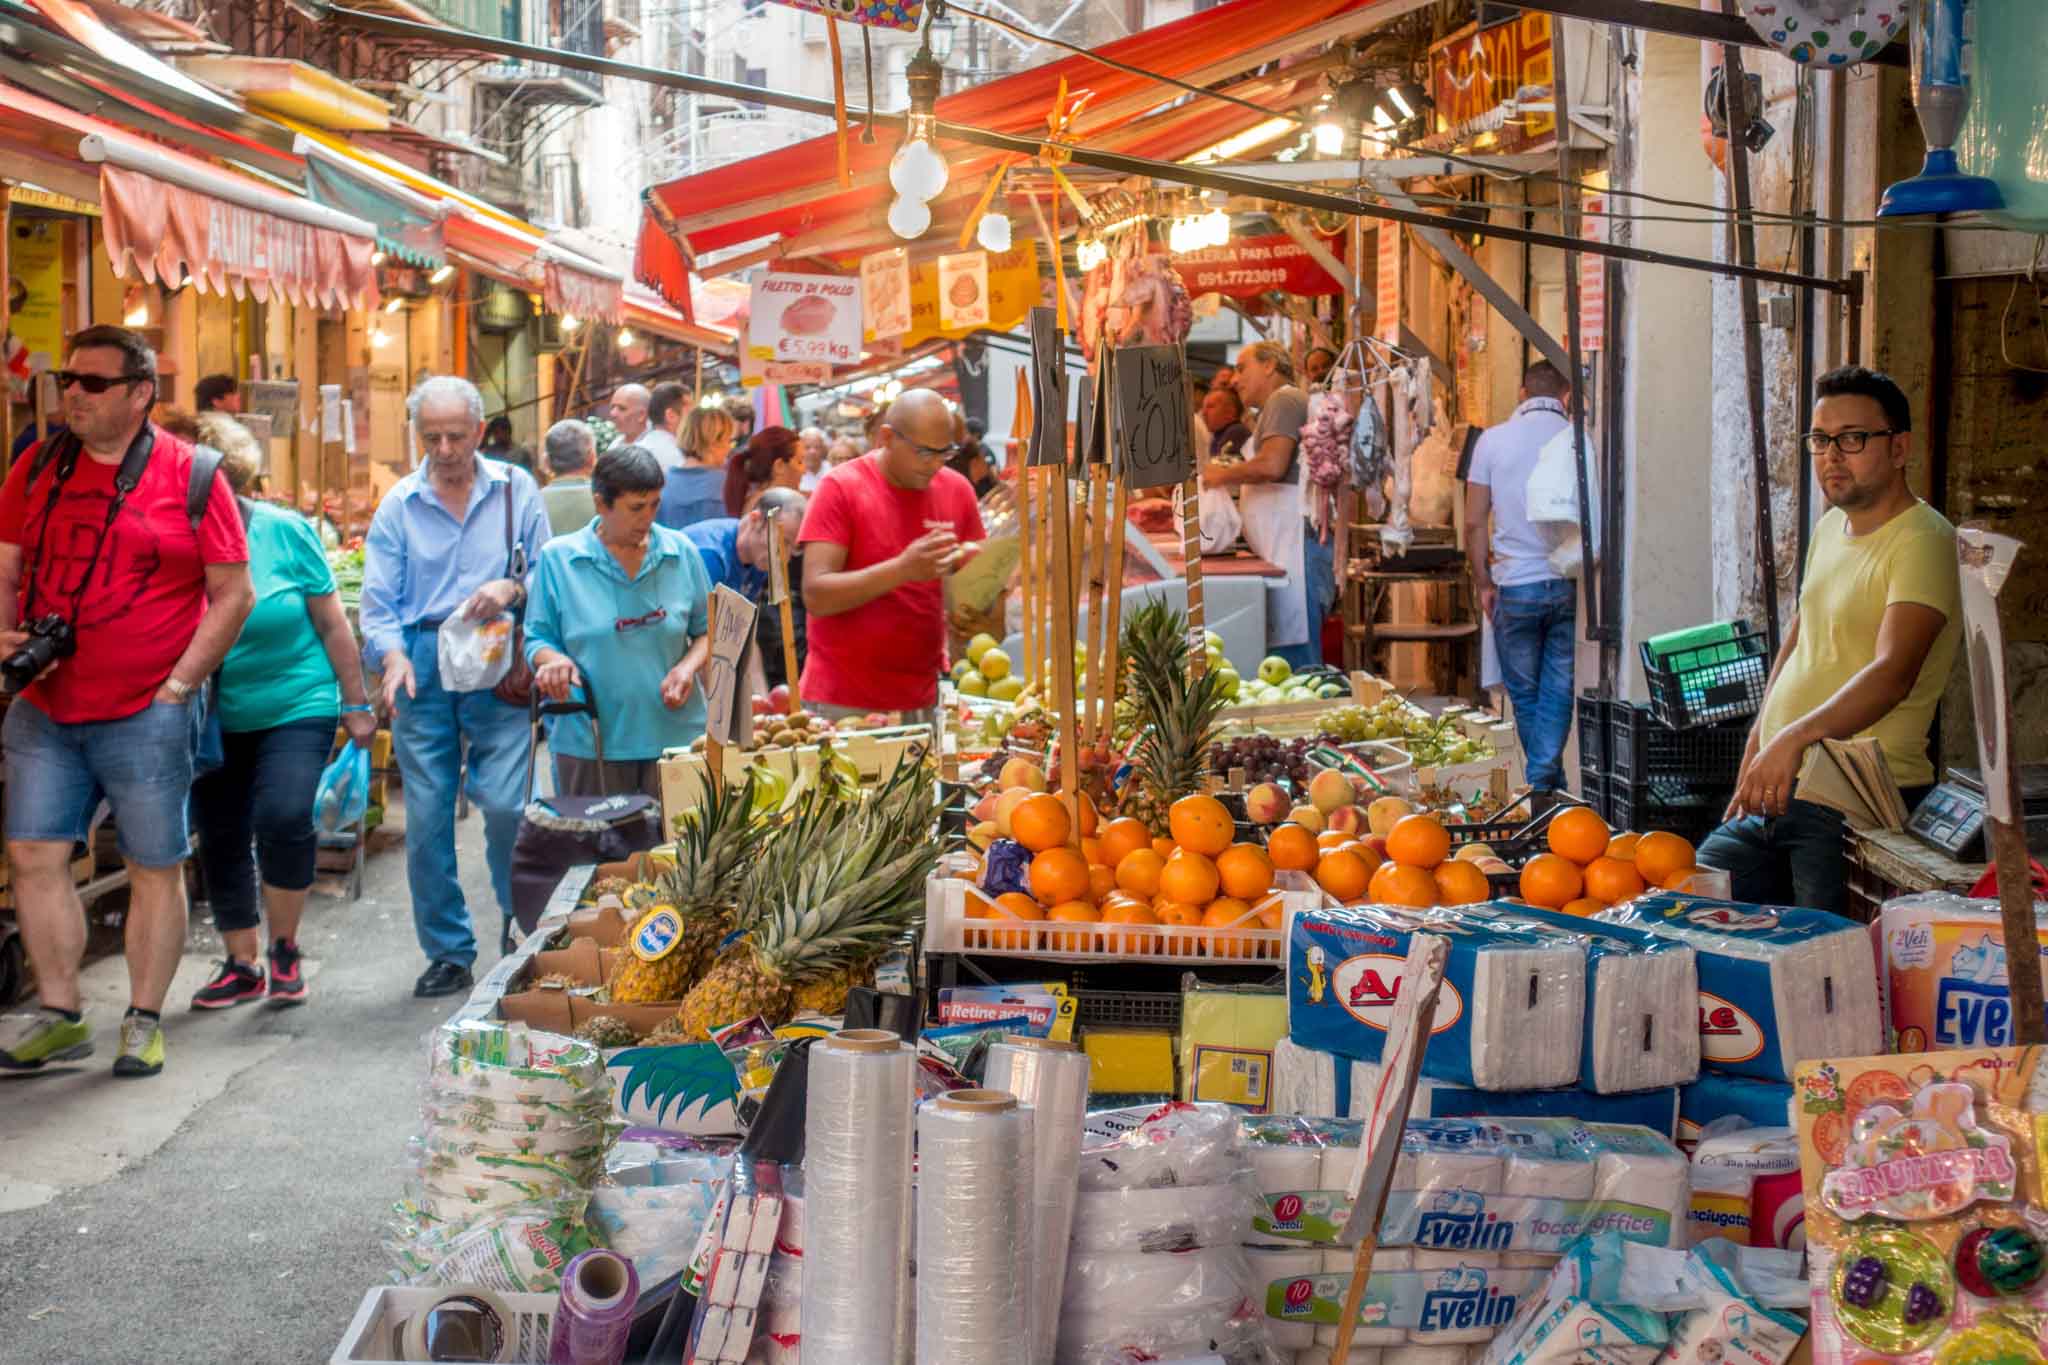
<point x="374" y="1336"/>
<point x="949" y="929"/>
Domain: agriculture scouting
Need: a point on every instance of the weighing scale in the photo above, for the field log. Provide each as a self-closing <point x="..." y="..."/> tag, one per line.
<point x="1951" y="817"/>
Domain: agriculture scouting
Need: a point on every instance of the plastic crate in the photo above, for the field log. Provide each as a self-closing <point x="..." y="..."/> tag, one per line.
<point x="1519" y="831"/>
<point x="1696" y="687"/>
<point x="374" y="1335"/>
<point x="1593" y="725"/>
<point x="949" y="929"/>
<point x="1693" y="813"/>
<point x="1643" y="749"/>
<point x="1127" y="1009"/>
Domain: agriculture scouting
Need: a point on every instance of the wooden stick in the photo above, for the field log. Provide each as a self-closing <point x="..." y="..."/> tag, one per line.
<point x="779" y="583"/>
<point x="714" y="751"/>
<point x="1027" y="574"/>
<point x="1112" y="625"/>
<point x="1045" y="579"/>
<point x="1098" y="529"/>
<point x="1191" y="552"/>
<point x="1063" y="647"/>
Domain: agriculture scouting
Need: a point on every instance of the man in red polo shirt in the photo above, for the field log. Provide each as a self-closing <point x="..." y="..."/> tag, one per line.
<point x="881" y="533"/>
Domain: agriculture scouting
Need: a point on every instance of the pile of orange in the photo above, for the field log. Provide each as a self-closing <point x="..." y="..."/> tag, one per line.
<point x="1416" y="868"/>
<point x="1102" y="892"/>
<point x="1589" y="868"/>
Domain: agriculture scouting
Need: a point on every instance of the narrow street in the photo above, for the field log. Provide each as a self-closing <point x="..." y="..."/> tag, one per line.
<point x="231" y="1208"/>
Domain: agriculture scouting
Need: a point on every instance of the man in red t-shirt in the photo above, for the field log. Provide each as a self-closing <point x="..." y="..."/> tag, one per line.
<point x="881" y="532"/>
<point x="155" y="604"/>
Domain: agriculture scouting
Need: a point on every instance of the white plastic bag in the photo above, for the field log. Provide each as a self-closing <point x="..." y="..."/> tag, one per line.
<point x="1553" y="498"/>
<point x="1221" y="524"/>
<point x="474" y="655"/>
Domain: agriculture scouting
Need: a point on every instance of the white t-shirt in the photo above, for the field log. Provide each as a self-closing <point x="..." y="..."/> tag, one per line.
<point x="661" y="443"/>
<point x="1502" y="462"/>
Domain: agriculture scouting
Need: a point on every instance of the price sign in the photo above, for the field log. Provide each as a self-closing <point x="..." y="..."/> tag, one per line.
<point x="1094" y="438"/>
<point x="730" y="709"/>
<point x="1153" y="416"/>
<point x="277" y="399"/>
<point x="1048" y="389"/>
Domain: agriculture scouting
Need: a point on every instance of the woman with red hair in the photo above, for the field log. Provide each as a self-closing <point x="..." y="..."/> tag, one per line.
<point x="773" y="459"/>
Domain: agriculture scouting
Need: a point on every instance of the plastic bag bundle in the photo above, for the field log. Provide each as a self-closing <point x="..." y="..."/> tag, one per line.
<point x="343" y="794"/>
<point x="515" y="1127"/>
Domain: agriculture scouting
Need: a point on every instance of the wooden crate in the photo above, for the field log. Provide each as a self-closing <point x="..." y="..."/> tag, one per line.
<point x="875" y="752"/>
<point x="1883" y="864"/>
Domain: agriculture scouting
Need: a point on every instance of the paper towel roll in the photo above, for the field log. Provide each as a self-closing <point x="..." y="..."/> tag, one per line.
<point x="1435" y="1171"/>
<point x="1177" y="1218"/>
<point x="1529" y="1011"/>
<point x="1304" y="1080"/>
<point x="1277" y="1267"/>
<point x="1338" y="1262"/>
<point x="1052" y="1078"/>
<point x="1660" y="1181"/>
<point x="1454" y="1269"/>
<point x="1283" y="1168"/>
<point x="1339" y="1162"/>
<point x="1534" y="1177"/>
<point x="1424" y="1355"/>
<point x="1321" y="1355"/>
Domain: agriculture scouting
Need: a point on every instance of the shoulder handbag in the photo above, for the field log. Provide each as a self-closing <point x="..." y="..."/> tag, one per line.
<point x="516" y="687"/>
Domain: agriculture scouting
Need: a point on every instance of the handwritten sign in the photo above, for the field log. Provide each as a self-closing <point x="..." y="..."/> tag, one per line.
<point x="1387" y="284"/>
<point x="277" y="399"/>
<point x="1092" y="442"/>
<point x="730" y="710"/>
<point x="805" y="318"/>
<point x="885" y="293"/>
<point x="1153" y="418"/>
<point x="1593" y="278"/>
<point x="963" y="290"/>
<point x="1048" y="389"/>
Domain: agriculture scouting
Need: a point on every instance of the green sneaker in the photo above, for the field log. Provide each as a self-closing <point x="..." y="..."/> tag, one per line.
<point x="142" y="1047"/>
<point x="30" y="1038"/>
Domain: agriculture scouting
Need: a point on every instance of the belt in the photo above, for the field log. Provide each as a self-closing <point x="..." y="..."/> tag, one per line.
<point x="429" y="627"/>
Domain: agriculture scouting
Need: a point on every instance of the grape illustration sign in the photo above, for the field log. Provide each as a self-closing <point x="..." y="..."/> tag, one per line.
<point x="1153" y="417"/>
<point x="813" y="318"/>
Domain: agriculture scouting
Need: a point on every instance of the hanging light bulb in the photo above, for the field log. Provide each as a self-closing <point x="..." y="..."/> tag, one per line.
<point x="626" y="337"/>
<point x="994" y="232"/>
<point x="570" y="322"/>
<point x="918" y="170"/>
<point x="1089" y="253"/>
<point x="442" y="275"/>
<point x="1329" y="136"/>
<point x="1215" y="228"/>
<point x="909" y="217"/>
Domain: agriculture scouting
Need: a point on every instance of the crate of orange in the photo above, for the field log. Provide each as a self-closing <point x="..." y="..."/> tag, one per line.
<point x="1111" y="889"/>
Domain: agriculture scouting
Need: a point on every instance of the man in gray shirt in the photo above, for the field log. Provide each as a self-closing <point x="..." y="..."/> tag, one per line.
<point x="571" y="455"/>
<point x="1534" y="609"/>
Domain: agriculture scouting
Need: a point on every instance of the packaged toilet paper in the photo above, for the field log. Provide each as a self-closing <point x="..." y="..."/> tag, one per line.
<point x="1458" y="1299"/>
<point x="1777" y="985"/>
<point x="1640" y="1032"/>
<point x="1745" y="1187"/>
<point x="1500" y="1187"/>
<point x="1731" y="1102"/>
<point x="1944" y="971"/>
<point x="1509" y="1016"/>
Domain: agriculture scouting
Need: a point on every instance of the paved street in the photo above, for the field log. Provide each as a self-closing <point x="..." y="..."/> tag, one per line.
<point x="231" y="1208"/>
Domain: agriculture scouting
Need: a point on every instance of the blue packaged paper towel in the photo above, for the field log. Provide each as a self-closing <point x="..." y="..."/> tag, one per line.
<point x="1778" y="985"/>
<point x="1509" y="1016"/>
<point x="1759" y="1104"/>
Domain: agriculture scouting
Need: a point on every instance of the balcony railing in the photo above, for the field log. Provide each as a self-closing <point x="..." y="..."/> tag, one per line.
<point x="565" y="26"/>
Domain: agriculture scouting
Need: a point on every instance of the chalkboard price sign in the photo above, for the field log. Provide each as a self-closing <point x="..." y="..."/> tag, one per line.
<point x="729" y="710"/>
<point x="1048" y="389"/>
<point x="1153" y="416"/>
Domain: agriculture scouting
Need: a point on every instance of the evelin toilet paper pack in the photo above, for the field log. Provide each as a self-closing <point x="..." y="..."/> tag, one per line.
<point x="1927" y="1233"/>
<point x="1944" y="972"/>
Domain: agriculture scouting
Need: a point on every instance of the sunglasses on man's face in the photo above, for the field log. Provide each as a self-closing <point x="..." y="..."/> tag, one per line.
<point x="93" y="383"/>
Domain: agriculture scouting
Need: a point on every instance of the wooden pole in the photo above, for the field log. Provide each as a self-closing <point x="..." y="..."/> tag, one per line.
<point x="1063" y="646"/>
<point x="714" y="751"/>
<point x="1112" y="634"/>
<point x="778" y="576"/>
<point x="1191" y="553"/>
<point x="1027" y="574"/>
<point x="1098" y="518"/>
<point x="1046" y="607"/>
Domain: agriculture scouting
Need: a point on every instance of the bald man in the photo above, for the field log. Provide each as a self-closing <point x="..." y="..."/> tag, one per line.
<point x="629" y="412"/>
<point x="882" y="533"/>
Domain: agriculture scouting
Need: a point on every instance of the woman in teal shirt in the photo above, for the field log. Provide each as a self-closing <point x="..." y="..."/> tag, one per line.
<point x="626" y="603"/>
<point x="280" y="689"/>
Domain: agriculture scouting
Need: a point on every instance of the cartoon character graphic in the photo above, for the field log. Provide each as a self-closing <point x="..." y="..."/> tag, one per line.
<point x="1983" y="962"/>
<point x="1318" y="976"/>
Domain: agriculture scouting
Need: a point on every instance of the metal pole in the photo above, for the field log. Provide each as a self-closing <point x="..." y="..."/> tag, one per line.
<point x="1736" y="84"/>
<point x="1568" y="220"/>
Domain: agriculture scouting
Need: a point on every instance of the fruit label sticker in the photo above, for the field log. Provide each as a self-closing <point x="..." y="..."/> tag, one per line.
<point x="657" y="934"/>
<point x="1927" y="1163"/>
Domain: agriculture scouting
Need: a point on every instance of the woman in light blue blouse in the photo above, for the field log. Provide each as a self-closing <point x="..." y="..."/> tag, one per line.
<point x="626" y="603"/>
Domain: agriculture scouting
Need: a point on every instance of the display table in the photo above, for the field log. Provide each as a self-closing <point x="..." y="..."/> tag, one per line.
<point x="1232" y="564"/>
<point x="1887" y="863"/>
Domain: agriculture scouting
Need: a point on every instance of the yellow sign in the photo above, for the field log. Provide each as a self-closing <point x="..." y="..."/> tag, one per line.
<point x="1013" y="289"/>
<point x="35" y="269"/>
<point x="1476" y="71"/>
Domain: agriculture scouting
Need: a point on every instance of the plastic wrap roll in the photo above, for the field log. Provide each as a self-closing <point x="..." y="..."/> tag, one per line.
<point x="599" y="1292"/>
<point x="1273" y="1268"/>
<point x="973" y="1215"/>
<point x="857" y="1131"/>
<point x="1051" y="1079"/>
<point x="1176" y="1218"/>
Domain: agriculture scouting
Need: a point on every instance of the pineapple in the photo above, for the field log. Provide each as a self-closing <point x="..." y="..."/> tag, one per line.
<point x="608" y="1031"/>
<point x="827" y="994"/>
<point x="715" y="843"/>
<point x="833" y="886"/>
<point x="1175" y="715"/>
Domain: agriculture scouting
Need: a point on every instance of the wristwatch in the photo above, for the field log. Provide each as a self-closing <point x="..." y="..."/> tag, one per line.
<point x="180" y="691"/>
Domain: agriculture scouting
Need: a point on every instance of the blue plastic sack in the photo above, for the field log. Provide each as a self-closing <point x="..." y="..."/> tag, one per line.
<point x="344" y="791"/>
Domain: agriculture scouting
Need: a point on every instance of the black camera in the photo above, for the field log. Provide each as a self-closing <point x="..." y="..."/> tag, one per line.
<point x="50" y="638"/>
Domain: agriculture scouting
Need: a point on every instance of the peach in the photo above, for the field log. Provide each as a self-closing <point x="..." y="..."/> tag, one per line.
<point x="1346" y="820"/>
<point x="1308" y="817"/>
<point x="1006" y="805"/>
<point x="1383" y="814"/>
<point x="1328" y="790"/>
<point x="1022" y="772"/>
<point x="1266" y="804"/>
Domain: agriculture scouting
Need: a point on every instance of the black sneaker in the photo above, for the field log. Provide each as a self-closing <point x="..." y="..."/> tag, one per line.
<point x="235" y="983"/>
<point x="287" y="983"/>
<point x="442" y="978"/>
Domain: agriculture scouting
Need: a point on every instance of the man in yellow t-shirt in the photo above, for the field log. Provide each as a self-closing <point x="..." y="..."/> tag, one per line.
<point x="1868" y="652"/>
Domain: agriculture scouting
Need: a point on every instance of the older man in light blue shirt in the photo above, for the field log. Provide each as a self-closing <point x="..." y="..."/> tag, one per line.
<point x="443" y="544"/>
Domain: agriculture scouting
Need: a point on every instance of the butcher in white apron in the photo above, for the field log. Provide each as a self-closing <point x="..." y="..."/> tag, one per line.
<point x="1269" y="482"/>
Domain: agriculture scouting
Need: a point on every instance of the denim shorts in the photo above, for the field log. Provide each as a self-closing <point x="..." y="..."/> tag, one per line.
<point x="141" y="764"/>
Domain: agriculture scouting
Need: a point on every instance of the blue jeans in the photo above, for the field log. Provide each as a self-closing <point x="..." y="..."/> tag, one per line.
<point x="1535" y="631"/>
<point x="142" y="764"/>
<point x="262" y="793"/>
<point x="1794" y="859"/>
<point x="427" y="739"/>
<point x="1319" y="587"/>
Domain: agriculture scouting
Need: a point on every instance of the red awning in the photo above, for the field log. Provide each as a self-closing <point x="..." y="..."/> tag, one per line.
<point x="793" y="190"/>
<point x="583" y="290"/>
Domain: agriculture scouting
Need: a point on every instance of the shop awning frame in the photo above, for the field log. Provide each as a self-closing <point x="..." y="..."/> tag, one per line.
<point x="1200" y="177"/>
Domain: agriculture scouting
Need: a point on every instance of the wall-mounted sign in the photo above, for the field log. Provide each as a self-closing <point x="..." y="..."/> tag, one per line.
<point x="1476" y="71"/>
<point x="963" y="290"/>
<point x="1246" y="267"/>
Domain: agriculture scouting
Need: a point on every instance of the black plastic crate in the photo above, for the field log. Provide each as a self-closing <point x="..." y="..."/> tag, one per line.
<point x="1697" y="687"/>
<point x="1593" y="727"/>
<point x="1521" y="829"/>
<point x="1644" y="749"/>
<point x="1692" y="816"/>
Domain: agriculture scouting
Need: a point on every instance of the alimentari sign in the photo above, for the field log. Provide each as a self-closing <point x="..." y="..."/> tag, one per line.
<point x="1476" y="70"/>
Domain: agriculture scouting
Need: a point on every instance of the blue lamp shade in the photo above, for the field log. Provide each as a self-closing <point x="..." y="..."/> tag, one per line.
<point x="1944" y="53"/>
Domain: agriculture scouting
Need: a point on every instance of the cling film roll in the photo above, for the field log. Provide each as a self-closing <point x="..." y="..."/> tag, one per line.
<point x="857" y="1158"/>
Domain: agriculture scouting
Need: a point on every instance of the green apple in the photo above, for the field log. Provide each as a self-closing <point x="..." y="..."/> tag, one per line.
<point x="1006" y="689"/>
<point x="1228" y="682"/>
<point x="994" y="664"/>
<point x="1275" y="669"/>
<point x="978" y="646"/>
<point x="973" y="685"/>
<point x="1212" y="640"/>
<point x="961" y="667"/>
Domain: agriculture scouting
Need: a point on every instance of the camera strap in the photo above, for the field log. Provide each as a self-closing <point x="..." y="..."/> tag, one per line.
<point x="66" y="458"/>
